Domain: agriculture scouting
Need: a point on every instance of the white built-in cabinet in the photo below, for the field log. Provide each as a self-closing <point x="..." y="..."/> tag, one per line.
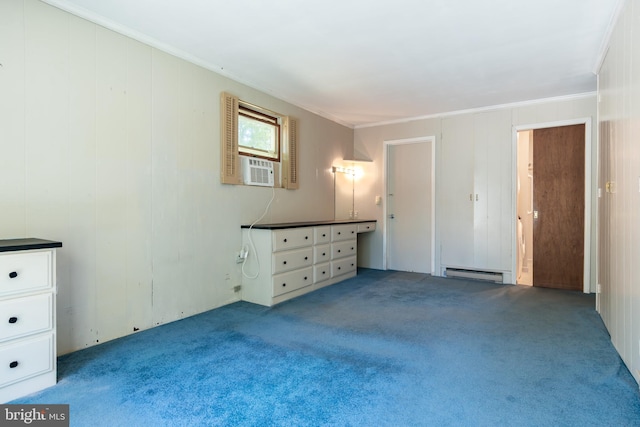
<point x="289" y="260"/>
<point x="476" y="192"/>
<point x="27" y="316"/>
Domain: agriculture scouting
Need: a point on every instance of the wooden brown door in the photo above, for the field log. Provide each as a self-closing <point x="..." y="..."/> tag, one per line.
<point x="558" y="200"/>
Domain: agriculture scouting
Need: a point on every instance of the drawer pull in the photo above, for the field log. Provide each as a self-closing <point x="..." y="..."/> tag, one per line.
<point x="339" y="250"/>
<point x="285" y="240"/>
<point x="324" y="254"/>
<point x="351" y="247"/>
<point x="352" y="232"/>
<point x="305" y="277"/>
<point x="324" y="234"/>
<point x="13" y="319"/>
<point x="306" y="258"/>
<point x="306" y="237"/>
<point x="339" y="233"/>
<point x="284" y="284"/>
<point x="13" y="364"/>
<point x="284" y="262"/>
<point x="13" y="274"/>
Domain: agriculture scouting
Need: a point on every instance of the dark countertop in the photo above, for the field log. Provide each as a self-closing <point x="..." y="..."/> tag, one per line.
<point x="277" y="226"/>
<point x="10" y="245"/>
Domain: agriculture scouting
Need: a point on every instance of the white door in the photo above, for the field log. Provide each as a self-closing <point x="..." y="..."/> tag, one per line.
<point x="410" y="190"/>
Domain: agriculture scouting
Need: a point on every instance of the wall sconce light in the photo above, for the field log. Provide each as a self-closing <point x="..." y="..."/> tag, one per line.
<point x="344" y="170"/>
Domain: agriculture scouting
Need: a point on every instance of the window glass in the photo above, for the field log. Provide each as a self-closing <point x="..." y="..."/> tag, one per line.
<point x="258" y="134"/>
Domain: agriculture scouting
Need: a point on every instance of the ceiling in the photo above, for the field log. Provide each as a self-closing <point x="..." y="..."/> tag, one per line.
<point x="361" y="62"/>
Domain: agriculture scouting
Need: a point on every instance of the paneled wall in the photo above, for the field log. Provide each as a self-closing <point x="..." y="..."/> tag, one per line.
<point x="112" y="147"/>
<point x="497" y="162"/>
<point x="619" y="256"/>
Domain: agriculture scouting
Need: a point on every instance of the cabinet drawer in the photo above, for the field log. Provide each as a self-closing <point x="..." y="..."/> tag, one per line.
<point x="363" y="227"/>
<point x="24" y="272"/>
<point x="292" y="260"/>
<point x="321" y="253"/>
<point x="321" y="272"/>
<point x="343" y="266"/>
<point x="24" y="316"/>
<point x="27" y="358"/>
<point x="343" y="232"/>
<point x="322" y="234"/>
<point x="292" y="238"/>
<point x="287" y="282"/>
<point x="343" y="249"/>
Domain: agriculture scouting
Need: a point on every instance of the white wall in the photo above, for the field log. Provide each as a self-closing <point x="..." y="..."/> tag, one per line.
<point x="371" y="140"/>
<point x="112" y="147"/>
<point x="619" y="256"/>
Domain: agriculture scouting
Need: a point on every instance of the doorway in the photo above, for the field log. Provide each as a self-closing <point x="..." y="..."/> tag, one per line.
<point x="551" y="207"/>
<point x="409" y="208"/>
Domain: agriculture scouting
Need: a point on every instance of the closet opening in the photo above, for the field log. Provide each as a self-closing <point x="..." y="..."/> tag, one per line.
<point x="524" y="210"/>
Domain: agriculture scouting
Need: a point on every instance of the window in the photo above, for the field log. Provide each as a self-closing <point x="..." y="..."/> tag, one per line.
<point x="246" y="129"/>
<point x="258" y="133"/>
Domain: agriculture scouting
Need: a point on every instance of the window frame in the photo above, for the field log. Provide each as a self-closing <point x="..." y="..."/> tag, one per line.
<point x="230" y="170"/>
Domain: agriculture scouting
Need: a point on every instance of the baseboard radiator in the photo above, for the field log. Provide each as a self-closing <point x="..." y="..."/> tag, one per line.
<point x="490" y="276"/>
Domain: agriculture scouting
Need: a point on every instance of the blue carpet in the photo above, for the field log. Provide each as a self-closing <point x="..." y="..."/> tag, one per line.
<point x="382" y="349"/>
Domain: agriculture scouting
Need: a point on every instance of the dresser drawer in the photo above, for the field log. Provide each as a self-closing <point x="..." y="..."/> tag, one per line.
<point x="24" y="272"/>
<point x="343" y="266"/>
<point x="343" y="232"/>
<point x="364" y="227"/>
<point x="321" y="272"/>
<point x="321" y="253"/>
<point x="292" y="238"/>
<point x="287" y="282"/>
<point x="344" y="249"/>
<point x="26" y="358"/>
<point x="292" y="260"/>
<point x="25" y="316"/>
<point x="322" y="234"/>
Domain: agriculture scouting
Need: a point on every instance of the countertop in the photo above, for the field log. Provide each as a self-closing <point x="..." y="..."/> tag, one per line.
<point x="280" y="225"/>
<point x="10" y="245"/>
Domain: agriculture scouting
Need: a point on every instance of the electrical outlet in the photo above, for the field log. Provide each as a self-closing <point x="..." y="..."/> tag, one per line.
<point x="241" y="256"/>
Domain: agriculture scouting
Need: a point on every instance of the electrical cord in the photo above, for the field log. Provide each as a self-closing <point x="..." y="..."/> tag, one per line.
<point x="251" y="244"/>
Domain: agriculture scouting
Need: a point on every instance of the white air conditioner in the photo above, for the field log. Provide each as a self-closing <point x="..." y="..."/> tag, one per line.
<point x="257" y="171"/>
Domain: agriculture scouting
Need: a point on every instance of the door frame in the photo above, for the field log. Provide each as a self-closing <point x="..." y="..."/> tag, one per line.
<point x="586" y="121"/>
<point x="385" y="154"/>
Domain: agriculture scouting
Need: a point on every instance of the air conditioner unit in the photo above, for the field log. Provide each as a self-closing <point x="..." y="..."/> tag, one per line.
<point x="257" y="171"/>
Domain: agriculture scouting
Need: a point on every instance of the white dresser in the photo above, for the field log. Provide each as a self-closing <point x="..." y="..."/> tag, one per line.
<point x="291" y="259"/>
<point x="27" y="316"/>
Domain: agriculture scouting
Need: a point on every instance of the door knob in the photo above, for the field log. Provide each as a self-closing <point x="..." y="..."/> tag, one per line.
<point x="392" y="216"/>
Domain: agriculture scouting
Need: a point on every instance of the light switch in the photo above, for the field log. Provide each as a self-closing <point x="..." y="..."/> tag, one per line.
<point x="378" y="200"/>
